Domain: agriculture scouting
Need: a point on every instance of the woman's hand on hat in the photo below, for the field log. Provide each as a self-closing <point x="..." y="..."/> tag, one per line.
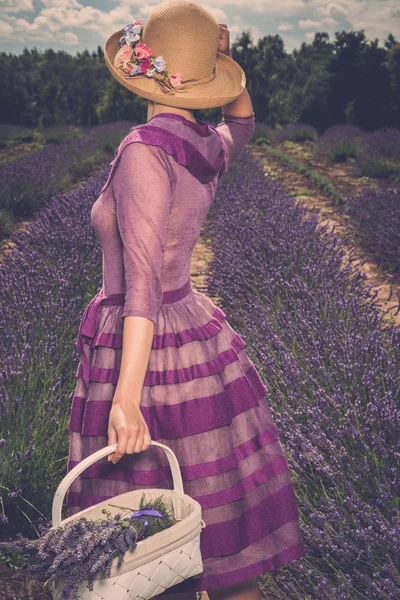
<point x="128" y="428"/>
<point x="224" y="44"/>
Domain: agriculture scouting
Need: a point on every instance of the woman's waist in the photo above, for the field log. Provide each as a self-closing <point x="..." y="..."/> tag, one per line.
<point x="169" y="296"/>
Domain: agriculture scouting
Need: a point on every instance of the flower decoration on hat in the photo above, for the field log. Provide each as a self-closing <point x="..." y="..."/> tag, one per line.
<point x="135" y="58"/>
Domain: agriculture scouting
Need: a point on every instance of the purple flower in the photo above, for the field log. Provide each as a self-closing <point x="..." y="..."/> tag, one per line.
<point x="159" y="63"/>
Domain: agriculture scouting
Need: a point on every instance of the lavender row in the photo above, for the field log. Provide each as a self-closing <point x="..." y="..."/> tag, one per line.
<point x="28" y="183"/>
<point x="375" y="215"/>
<point x="375" y="153"/>
<point x="374" y="211"/>
<point x="333" y="371"/>
<point x="53" y="271"/>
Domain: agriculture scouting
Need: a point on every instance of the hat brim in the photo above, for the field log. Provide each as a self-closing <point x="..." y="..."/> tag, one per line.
<point x="227" y="85"/>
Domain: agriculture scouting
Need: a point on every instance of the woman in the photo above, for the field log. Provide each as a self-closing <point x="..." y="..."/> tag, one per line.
<point x="160" y="360"/>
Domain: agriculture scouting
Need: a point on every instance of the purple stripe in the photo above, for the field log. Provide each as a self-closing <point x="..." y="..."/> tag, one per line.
<point x="74" y="499"/>
<point x="113" y="299"/>
<point x="164" y="340"/>
<point x="180" y="419"/>
<point x="211" y="367"/>
<point x="246" y="485"/>
<point x="168" y="296"/>
<point x="229" y="537"/>
<point x="204" y="332"/>
<point x="183" y="151"/>
<point x="178" y="293"/>
<point x="77" y="412"/>
<point x="201" y="127"/>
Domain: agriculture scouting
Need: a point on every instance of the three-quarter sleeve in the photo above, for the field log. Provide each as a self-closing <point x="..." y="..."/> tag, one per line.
<point x="235" y="132"/>
<point x="142" y="187"/>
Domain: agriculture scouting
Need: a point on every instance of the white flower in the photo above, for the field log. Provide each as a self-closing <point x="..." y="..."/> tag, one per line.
<point x="131" y="38"/>
<point x="151" y="72"/>
<point x="159" y="63"/>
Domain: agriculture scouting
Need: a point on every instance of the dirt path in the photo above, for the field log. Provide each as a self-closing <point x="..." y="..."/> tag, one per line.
<point x="344" y="178"/>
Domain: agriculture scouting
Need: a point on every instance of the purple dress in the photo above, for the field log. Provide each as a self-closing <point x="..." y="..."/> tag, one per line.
<point x="202" y="395"/>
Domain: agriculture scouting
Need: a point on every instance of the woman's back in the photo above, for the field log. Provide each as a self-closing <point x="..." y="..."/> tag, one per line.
<point x="149" y="214"/>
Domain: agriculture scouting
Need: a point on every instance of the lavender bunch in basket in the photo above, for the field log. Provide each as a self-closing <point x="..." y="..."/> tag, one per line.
<point x="82" y="547"/>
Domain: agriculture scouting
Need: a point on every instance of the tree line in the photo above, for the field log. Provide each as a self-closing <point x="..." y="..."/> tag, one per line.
<point x="347" y="80"/>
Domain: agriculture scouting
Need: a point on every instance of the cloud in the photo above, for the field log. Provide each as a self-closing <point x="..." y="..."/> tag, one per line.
<point x="68" y="38"/>
<point x="239" y="26"/>
<point x="328" y="21"/>
<point x="5" y="29"/>
<point x="61" y="4"/>
<point x="16" y="6"/>
<point x="377" y="18"/>
<point x="68" y="21"/>
<point x="308" y="24"/>
<point x="59" y="17"/>
<point x="285" y="27"/>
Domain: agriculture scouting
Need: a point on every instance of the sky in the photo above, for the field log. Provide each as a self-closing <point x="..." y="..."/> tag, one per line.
<point x="73" y="25"/>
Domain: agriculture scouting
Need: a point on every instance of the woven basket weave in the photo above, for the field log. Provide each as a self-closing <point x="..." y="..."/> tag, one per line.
<point x="158" y="562"/>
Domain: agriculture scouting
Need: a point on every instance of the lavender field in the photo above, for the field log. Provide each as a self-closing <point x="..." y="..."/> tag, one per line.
<point x="373" y="161"/>
<point x="28" y="183"/>
<point x="333" y="373"/>
<point x="376" y="154"/>
<point x="331" y="364"/>
<point x="44" y="285"/>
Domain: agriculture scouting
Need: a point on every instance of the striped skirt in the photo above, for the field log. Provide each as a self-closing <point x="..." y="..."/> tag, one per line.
<point x="202" y="397"/>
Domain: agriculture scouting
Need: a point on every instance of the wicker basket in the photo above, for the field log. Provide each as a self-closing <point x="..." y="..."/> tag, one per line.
<point x="158" y="562"/>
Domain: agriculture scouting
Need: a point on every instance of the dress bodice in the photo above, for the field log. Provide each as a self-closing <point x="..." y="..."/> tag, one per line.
<point x="149" y="213"/>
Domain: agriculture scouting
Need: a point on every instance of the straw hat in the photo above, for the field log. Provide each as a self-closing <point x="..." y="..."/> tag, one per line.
<point x="172" y="58"/>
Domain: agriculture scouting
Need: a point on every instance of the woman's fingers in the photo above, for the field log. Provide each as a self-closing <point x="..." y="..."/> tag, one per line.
<point x="139" y="441"/>
<point x="121" y="444"/>
<point x="112" y="439"/>
<point x="146" y="440"/>
<point x="132" y="442"/>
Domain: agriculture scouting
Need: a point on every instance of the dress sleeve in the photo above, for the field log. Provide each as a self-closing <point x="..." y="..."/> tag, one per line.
<point x="142" y="187"/>
<point x="235" y="132"/>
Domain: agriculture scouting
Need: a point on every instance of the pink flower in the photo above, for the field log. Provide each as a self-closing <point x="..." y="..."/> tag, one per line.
<point x="142" y="51"/>
<point x="144" y="65"/>
<point x="127" y="67"/>
<point x="176" y="80"/>
<point x="125" y="53"/>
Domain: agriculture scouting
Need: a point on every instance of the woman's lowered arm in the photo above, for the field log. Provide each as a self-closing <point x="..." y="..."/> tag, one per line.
<point x="143" y="202"/>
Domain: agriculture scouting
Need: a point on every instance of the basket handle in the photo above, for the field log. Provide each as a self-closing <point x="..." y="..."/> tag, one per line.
<point x="89" y="460"/>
